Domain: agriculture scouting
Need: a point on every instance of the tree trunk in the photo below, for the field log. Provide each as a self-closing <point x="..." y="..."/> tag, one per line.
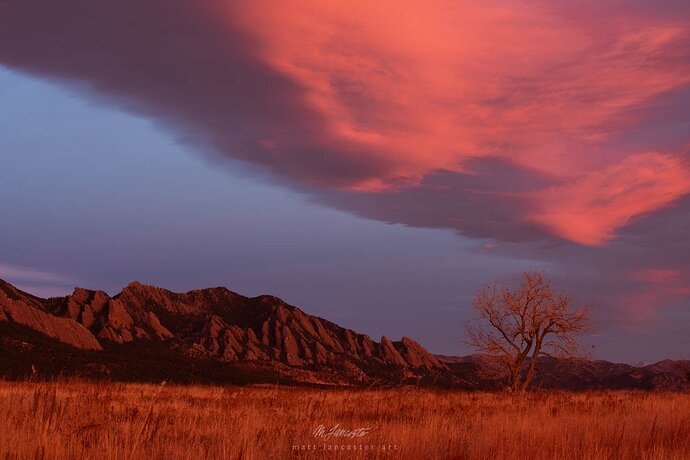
<point x="515" y="377"/>
<point x="532" y="365"/>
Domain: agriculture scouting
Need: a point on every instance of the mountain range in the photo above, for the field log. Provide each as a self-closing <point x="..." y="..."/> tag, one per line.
<point x="146" y="333"/>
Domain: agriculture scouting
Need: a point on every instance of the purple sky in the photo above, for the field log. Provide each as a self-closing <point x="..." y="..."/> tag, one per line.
<point x="374" y="166"/>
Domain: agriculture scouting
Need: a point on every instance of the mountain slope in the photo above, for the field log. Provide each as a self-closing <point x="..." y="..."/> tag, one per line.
<point x="22" y="308"/>
<point x="218" y="324"/>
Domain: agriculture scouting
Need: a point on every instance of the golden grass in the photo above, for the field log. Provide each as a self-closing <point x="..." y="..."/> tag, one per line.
<point x="72" y="420"/>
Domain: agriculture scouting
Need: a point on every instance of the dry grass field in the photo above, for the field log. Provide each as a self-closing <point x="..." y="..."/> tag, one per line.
<point x="71" y="420"/>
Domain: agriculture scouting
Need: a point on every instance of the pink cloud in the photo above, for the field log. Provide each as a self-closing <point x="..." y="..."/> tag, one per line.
<point x="642" y="303"/>
<point x="426" y="86"/>
<point x="656" y="275"/>
<point x="590" y="208"/>
<point x="382" y="97"/>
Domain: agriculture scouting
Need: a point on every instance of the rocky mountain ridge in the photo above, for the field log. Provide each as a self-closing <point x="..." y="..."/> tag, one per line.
<point x="214" y="323"/>
<point x="216" y="335"/>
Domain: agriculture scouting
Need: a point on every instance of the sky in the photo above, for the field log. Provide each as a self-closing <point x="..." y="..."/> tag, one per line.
<point x="374" y="164"/>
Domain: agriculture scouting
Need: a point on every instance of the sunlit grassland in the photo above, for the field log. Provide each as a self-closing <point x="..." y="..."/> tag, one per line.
<point x="74" y="419"/>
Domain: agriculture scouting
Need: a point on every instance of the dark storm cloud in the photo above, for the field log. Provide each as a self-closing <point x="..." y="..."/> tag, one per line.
<point x="180" y="64"/>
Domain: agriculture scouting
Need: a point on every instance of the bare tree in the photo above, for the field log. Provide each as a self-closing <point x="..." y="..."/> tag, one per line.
<point x="516" y="327"/>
